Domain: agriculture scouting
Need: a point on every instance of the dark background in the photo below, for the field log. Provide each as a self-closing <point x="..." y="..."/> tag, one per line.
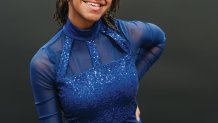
<point x="182" y="87"/>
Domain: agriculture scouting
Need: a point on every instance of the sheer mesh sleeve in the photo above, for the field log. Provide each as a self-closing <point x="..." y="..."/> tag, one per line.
<point x="147" y="41"/>
<point x="151" y="46"/>
<point x="42" y="81"/>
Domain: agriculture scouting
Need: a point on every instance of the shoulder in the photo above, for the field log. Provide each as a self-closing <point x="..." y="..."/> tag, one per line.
<point x="136" y="29"/>
<point x="43" y="63"/>
<point x="48" y="51"/>
<point x="135" y="25"/>
<point x="130" y="24"/>
<point x="40" y="62"/>
<point x="42" y="71"/>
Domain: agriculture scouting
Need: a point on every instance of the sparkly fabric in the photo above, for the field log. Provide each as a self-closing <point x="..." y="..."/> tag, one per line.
<point x="107" y="90"/>
<point x="92" y="76"/>
<point x="94" y="53"/>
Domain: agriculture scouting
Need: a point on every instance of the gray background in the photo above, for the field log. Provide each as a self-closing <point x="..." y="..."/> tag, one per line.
<point x="180" y="88"/>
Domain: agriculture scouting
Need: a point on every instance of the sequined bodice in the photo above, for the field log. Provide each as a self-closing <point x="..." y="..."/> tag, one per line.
<point x="105" y="93"/>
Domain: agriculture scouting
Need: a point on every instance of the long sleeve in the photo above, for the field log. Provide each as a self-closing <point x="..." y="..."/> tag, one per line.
<point x="147" y="41"/>
<point x="151" y="46"/>
<point x="44" y="92"/>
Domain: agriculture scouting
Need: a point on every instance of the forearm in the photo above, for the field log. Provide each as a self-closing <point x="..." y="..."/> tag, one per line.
<point x="147" y="57"/>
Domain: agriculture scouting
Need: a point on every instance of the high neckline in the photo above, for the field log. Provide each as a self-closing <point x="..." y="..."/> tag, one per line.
<point x="81" y="34"/>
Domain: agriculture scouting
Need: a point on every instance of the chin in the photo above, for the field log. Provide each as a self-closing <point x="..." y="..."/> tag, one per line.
<point x="93" y="18"/>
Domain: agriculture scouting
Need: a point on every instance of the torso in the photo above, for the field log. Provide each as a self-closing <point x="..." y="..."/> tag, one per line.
<point x="105" y="93"/>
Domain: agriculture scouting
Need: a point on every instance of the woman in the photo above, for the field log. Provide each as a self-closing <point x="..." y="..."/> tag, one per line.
<point x="90" y="69"/>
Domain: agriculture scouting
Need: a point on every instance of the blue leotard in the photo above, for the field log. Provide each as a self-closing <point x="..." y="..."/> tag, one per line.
<point x="92" y="75"/>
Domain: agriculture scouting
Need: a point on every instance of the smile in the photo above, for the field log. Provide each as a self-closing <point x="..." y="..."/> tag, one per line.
<point x="92" y="4"/>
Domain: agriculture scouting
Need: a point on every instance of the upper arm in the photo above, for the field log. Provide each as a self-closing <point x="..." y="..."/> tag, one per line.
<point x="142" y="34"/>
<point x="147" y="42"/>
<point x="42" y="73"/>
<point x="152" y="36"/>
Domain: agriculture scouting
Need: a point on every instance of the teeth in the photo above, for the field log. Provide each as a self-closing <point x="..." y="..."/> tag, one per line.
<point x="93" y="4"/>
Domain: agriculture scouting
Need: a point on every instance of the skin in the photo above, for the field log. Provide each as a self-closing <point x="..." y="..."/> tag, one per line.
<point x="83" y="16"/>
<point x="137" y="113"/>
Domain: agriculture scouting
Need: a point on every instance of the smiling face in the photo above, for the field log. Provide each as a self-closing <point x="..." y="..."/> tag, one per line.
<point x="83" y="13"/>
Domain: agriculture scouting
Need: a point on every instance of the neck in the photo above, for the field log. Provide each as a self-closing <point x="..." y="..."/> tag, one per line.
<point x="82" y="34"/>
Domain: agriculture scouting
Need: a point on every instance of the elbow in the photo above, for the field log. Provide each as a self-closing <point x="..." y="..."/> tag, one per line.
<point x="158" y="35"/>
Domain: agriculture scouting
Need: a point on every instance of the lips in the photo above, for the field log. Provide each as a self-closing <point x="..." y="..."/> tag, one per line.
<point x="93" y="3"/>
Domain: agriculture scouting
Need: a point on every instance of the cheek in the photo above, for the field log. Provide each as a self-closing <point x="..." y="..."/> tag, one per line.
<point x="109" y="2"/>
<point x="78" y="7"/>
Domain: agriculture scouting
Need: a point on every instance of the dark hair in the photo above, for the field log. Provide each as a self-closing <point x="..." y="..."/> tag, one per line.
<point x="61" y="13"/>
